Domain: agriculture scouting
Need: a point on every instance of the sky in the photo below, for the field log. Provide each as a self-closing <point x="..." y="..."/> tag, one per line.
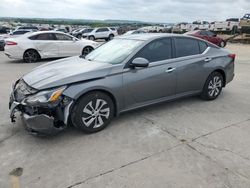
<point x="164" y="11"/>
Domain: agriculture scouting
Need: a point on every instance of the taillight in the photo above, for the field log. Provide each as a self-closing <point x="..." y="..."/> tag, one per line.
<point x="10" y="43"/>
<point x="232" y="56"/>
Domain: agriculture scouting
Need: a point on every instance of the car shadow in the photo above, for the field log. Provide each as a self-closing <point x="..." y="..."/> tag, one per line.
<point x="71" y="132"/>
<point x="13" y="61"/>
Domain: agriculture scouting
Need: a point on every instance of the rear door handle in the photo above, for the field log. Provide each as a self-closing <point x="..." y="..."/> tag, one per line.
<point x="170" y="69"/>
<point x="207" y="59"/>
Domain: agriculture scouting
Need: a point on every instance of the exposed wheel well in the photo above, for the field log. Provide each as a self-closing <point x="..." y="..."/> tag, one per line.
<point x="33" y="50"/>
<point x="105" y="92"/>
<point x="223" y="75"/>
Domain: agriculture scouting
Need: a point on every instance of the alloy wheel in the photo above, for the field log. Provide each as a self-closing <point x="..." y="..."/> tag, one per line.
<point x="214" y="86"/>
<point x="96" y="112"/>
<point x="30" y="56"/>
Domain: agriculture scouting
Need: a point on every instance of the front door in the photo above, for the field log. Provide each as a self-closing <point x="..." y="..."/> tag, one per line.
<point x="152" y="83"/>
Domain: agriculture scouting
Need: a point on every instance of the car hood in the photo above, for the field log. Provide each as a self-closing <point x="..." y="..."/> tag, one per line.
<point x="65" y="71"/>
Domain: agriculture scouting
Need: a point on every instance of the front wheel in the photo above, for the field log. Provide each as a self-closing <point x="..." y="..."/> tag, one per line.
<point x="213" y="86"/>
<point x="91" y="38"/>
<point x="111" y="36"/>
<point x="93" y="112"/>
<point x="87" y="50"/>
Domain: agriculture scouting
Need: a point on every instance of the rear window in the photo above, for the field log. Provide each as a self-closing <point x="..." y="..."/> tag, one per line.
<point x="44" y="36"/>
<point x="186" y="47"/>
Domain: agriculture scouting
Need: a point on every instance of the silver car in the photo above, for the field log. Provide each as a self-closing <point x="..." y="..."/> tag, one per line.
<point x="126" y="73"/>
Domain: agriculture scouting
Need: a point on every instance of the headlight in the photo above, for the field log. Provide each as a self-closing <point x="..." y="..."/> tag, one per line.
<point x="44" y="97"/>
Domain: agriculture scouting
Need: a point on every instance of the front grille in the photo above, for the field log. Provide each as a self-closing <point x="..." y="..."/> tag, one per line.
<point x="22" y="90"/>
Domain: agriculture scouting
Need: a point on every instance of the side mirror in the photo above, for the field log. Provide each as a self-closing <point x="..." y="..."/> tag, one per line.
<point x="139" y="62"/>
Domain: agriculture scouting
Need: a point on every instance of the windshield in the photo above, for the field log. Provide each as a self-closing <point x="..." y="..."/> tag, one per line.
<point x="114" y="52"/>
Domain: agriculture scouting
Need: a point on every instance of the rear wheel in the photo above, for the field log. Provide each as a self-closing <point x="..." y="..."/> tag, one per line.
<point x="31" y="56"/>
<point x="91" y="37"/>
<point x="213" y="86"/>
<point x="222" y="44"/>
<point x="87" y="50"/>
<point x="93" y="112"/>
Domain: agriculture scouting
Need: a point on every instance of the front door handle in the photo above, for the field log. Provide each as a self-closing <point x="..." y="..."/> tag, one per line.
<point x="207" y="59"/>
<point x="170" y="69"/>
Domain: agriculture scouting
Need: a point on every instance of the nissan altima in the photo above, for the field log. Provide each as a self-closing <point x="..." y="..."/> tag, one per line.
<point x="46" y="44"/>
<point x="124" y="74"/>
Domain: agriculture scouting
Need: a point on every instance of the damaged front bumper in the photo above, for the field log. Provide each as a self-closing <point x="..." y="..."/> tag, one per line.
<point x="45" y="119"/>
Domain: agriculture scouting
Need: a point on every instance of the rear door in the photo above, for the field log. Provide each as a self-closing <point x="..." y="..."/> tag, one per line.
<point x="158" y="80"/>
<point x="68" y="46"/>
<point x="46" y="44"/>
<point x="190" y="64"/>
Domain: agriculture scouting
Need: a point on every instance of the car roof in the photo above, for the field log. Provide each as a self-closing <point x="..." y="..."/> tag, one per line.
<point x="150" y="36"/>
<point x="44" y="32"/>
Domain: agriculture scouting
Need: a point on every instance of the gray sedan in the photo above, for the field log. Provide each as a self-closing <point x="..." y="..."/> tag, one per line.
<point x="126" y="73"/>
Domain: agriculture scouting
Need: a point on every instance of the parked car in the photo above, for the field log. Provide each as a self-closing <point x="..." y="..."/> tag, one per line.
<point x="61" y="30"/>
<point x="100" y="33"/>
<point x="230" y="25"/>
<point x="126" y="73"/>
<point x="209" y="36"/>
<point x="46" y="44"/>
<point x="245" y="23"/>
<point x="4" y="30"/>
<point x="134" y="32"/>
<point x="33" y="28"/>
<point x="199" y="25"/>
<point x="19" y="32"/>
<point x="79" y="32"/>
<point x="181" y="27"/>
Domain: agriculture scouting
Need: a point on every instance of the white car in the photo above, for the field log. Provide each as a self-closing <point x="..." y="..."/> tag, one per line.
<point x="231" y="25"/>
<point x="101" y="33"/>
<point x="46" y="44"/>
<point x="132" y="32"/>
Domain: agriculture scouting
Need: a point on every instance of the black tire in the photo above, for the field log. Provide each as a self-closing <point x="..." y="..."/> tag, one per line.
<point x="86" y="50"/>
<point x="79" y="36"/>
<point x="31" y="56"/>
<point x="91" y="37"/>
<point x="111" y="36"/>
<point x="234" y="30"/>
<point x="213" y="86"/>
<point x="223" y="44"/>
<point x="88" y="119"/>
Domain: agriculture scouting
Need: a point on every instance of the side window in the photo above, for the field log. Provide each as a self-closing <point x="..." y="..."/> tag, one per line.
<point x="204" y="33"/>
<point x="157" y="50"/>
<point x="203" y="46"/>
<point x="186" y="47"/>
<point x="100" y="30"/>
<point x="62" y="37"/>
<point x="45" y="36"/>
<point x="105" y="29"/>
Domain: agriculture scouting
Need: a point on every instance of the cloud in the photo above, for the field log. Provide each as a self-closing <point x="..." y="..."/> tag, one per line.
<point x="142" y="10"/>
